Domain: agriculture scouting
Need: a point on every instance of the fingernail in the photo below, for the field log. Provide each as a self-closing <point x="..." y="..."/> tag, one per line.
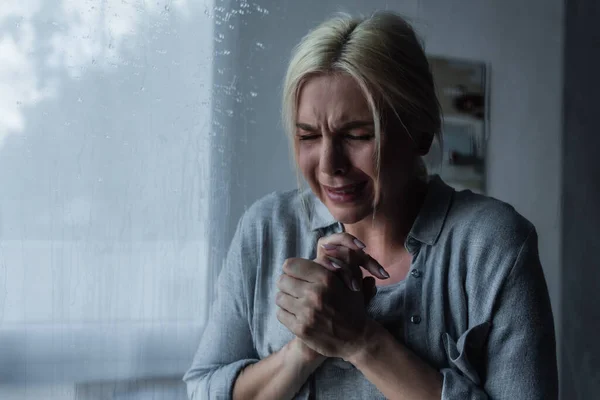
<point x="384" y="272"/>
<point x="359" y="243"/>
<point x="335" y="263"/>
<point x="355" y="286"/>
<point x="328" y="246"/>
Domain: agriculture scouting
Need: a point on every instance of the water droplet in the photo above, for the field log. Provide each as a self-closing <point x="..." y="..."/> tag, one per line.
<point x="262" y="10"/>
<point x="167" y="8"/>
<point x="142" y="89"/>
<point x="260" y="45"/>
<point x="229" y="113"/>
<point x="253" y="94"/>
<point x="80" y="100"/>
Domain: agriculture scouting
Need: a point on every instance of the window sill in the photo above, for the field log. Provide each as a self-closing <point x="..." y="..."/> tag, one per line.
<point x="72" y="353"/>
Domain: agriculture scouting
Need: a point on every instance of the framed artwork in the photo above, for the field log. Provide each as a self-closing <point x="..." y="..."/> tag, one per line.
<point x="462" y="91"/>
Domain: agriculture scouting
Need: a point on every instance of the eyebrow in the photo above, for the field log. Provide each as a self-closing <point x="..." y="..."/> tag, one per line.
<point x="347" y="126"/>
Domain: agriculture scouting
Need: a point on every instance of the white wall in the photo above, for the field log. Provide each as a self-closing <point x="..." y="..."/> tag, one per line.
<point x="522" y="43"/>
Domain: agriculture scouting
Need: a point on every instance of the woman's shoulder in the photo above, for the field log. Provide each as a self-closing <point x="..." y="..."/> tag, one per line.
<point x="277" y="205"/>
<point x="488" y="220"/>
<point x="275" y="212"/>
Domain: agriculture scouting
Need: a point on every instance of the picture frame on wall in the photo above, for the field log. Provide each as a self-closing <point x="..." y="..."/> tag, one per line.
<point x="462" y="90"/>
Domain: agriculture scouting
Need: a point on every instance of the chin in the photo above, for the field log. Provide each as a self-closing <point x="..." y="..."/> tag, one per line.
<point x="349" y="215"/>
<point x="350" y="219"/>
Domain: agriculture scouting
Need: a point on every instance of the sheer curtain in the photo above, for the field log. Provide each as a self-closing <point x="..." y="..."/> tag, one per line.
<point x="106" y="141"/>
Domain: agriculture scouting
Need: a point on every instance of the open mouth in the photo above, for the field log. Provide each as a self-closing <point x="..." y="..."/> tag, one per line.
<point x="346" y="193"/>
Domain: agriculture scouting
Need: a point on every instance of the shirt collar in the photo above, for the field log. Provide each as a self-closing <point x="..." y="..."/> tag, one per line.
<point x="432" y="216"/>
<point x="427" y="226"/>
<point x="319" y="215"/>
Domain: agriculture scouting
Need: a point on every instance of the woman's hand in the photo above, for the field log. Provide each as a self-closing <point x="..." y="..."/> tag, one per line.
<point x="319" y="309"/>
<point x="344" y="254"/>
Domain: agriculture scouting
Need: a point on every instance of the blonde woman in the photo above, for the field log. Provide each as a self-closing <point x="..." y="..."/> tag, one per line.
<point x="376" y="281"/>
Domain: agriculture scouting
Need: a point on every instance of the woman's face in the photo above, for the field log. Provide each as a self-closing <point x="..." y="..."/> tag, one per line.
<point x="335" y="149"/>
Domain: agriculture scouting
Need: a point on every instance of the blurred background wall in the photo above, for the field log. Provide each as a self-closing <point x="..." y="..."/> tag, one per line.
<point x="580" y="244"/>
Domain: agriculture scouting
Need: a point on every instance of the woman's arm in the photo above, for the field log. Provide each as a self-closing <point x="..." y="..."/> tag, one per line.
<point x="226" y="363"/>
<point x="226" y="346"/>
<point x="396" y="371"/>
<point x="279" y="376"/>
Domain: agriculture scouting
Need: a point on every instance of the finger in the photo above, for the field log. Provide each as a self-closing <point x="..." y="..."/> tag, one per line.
<point x="360" y="258"/>
<point x="292" y="286"/>
<point x="338" y="239"/>
<point x="350" y="274"/>
<point x="288" y="303"/>
<point x="351" y="260"/>
<point x="328" y="265"/>
<point x="305" y="270"/>
<point x="373" y="266"/>
<point x="287" y="319"/>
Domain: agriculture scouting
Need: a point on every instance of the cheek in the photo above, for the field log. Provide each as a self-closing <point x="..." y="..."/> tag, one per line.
<point x="364" y="160"/>
<point x="307" y="163"/>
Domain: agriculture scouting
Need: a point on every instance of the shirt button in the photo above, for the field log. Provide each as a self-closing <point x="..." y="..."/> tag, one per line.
<point x="415" y="273"/>
<point x="415" y="319"/>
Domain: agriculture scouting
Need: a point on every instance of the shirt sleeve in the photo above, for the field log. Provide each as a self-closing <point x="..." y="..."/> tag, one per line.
<point x="226" y="345"/>
<point x="520" y="354"/>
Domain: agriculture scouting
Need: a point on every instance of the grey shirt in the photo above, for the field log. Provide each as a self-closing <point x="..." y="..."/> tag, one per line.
<point x="474" y="305"/>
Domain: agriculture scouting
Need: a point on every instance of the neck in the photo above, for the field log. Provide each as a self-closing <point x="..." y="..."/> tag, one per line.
<point x="385" y="233"/>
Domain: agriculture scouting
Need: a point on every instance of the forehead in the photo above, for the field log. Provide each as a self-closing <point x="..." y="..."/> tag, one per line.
<point x="333" y="99"/>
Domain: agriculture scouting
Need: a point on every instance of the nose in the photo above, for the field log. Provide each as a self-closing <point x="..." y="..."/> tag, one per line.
<point x="333" y="158"/>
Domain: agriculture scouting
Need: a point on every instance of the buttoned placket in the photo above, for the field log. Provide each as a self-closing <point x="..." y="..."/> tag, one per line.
<point x="413" y="309"/>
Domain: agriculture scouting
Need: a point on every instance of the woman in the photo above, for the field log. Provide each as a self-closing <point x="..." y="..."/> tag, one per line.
<point x="460" y="308"/>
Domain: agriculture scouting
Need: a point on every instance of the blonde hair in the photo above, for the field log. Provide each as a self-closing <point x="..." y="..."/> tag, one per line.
<point x="384" y="56"/>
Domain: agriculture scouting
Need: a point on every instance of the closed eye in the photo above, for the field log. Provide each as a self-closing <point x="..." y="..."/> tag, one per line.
<point x="308" y="137"/>
<point x="360" y="137"/>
